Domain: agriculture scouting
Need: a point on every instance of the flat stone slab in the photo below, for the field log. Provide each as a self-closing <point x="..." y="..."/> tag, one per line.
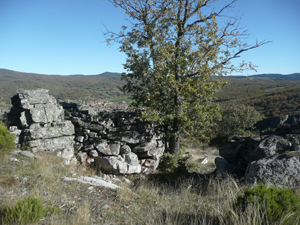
<point x="58" y="129"/>
<point x="94" y="181"/>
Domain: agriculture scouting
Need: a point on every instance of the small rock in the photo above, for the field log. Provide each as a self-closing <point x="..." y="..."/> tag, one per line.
<point x="125" y="149"/>
<point x="27" y="154"/>
<point x="24" y="180"/>
<point x="14" y="159"/>
<point x="125" y="180"/>
<point x="93" y="153"/>
<point x="15" y="177"/>
<point x="90" y="160"/>
<point x="79" y="139"/>
<point x="213" y="152"/>
<point x="203" y="160"/>
<point x="105" y="207"/>
<point x="82" y="157"/>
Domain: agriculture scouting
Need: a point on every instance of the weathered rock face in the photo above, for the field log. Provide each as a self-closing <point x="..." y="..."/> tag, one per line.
<point x="35" y="106"/>
<point x="282" y="170"/>
<point x="273" y="158"/>
<point x="240" y="151"/>
<point x="39" y="124"/>
<point x="115" y="141"/>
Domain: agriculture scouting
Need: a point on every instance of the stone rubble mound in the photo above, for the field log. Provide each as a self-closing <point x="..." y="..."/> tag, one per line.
<point x="38" y="122"/>
<point x="116" y="141"/>
<point x="272" y="158"/>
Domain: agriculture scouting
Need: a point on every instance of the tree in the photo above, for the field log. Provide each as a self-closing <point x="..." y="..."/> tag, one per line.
<point x="176" y="56"/>
<point x="238" y="119"/>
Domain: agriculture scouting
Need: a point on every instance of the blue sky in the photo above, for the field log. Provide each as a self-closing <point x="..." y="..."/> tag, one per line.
<point x="66" y="36"/>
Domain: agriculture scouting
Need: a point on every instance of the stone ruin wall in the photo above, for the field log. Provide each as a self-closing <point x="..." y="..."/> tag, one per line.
<point x="116" y="142"/>
<point x="39" y="124"/>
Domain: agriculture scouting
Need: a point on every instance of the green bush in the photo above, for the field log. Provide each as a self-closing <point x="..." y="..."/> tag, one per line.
<point x="274" y="202"/>
<point x="28" y="210"/>
<point x="171" y="163"/>
<point x="238" y="119"/>
<point x="25" y="146"/>
<point x="7" y="143"/>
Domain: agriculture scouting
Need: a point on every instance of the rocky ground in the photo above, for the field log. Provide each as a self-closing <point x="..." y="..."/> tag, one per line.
<point x="44" y="175"/>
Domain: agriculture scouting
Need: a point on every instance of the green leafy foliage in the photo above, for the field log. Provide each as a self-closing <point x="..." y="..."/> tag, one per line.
<point x="271" y="94"/>
<point x="275" y="203"/>
<point x="237" y="119"/>
<point x="25" y="146"/>
<point x="179" y="162"/>
<point x="176" y="55"/>
<point x="7" y="143"/>
<point x="28" y="210"/>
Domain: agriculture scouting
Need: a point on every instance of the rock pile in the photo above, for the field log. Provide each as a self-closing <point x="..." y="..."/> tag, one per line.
<point x="114" y="141"/>
<point x="37" y="121"/>
<point x="272" y="158"/>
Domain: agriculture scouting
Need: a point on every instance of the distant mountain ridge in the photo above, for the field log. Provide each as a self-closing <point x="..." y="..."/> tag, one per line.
<point x="271" y="94"/>
<point x="13" y="72"/>
<point x="86" y="87"/>
<point x="292" y="76"/>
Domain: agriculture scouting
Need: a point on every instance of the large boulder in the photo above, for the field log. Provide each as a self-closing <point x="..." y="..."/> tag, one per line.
<point x="224" y="168"/>
<point x="272" y="158"/>
<point x="153" y="149"/>
<point x="240" y="150"/>
<point x="107" y="147"/>
<point x="280" y="170"/>
<point x="126" y="164"/>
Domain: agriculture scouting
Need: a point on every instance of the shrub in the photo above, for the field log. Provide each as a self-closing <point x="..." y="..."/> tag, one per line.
<point x="171" y="163"/>
<point x="238" y="119"/>
<point x="28" y="210"/>
<point x="7" y="143"/>
<point x="25" y="146"/>
<point x="275" y="203"/>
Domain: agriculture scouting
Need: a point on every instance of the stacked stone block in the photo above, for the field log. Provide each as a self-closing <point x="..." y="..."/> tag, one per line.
<point x="115" y="141"/>
<point x="38" y="122"/>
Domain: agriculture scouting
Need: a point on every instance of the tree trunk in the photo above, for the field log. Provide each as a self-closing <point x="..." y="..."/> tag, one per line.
<point x="174" y="144"/>
<point x="174" y="141"/>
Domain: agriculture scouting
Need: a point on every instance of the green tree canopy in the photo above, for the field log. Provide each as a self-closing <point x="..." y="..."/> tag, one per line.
<point x="176" y="54"/>
<point x="238" y="119"/>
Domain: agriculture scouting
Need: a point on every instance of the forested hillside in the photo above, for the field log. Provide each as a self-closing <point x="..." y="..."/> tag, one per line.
<point x="103" y="86"/>
<point x="271" y="94"/>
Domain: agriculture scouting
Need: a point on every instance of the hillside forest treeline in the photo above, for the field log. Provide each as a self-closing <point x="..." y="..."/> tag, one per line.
<point x="270" y="94"/>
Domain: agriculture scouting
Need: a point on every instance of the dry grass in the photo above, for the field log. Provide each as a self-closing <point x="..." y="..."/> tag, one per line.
<point x="155" y="199"/>
<point x="199" y="151"/>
